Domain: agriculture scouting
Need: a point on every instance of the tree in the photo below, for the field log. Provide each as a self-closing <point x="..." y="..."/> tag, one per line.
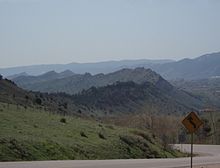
<point x="65" y="105"/>
<point x="26" y="97"/>
<point x="38" y="101"/>
<point x="1" y="77"/>
<point x="63" y="120"/>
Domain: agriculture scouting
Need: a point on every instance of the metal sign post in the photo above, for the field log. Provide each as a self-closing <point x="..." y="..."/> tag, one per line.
<point x="192" y="123"/>
<point x="191" y="163"/>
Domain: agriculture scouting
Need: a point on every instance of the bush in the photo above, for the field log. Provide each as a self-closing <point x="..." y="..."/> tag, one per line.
<point x="110" y="127"/>
<point x="101" y="135"/>
<point x="38" y="101"/>
<point x="65" y="105"/>
<point x="143" y="135"/>
<point x="83" y="134"/>
<point x="35" y="126"/>
<point x="207" y="129"/>
<point x="129" y="140"/>
<point x="63" y="120"/>
<point x="26" y="97"/>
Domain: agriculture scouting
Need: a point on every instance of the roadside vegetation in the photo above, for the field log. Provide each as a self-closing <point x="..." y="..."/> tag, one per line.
<point x="169" y="129"/>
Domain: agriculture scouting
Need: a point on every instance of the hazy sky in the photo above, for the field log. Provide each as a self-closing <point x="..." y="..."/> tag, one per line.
<point x="64" y="31"/>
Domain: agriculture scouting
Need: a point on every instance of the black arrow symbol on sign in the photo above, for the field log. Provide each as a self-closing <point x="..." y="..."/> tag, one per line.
<point x="190" y="119"/>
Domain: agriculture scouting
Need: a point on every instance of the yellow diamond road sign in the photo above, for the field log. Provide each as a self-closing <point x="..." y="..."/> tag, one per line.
<point x="192" y="122"/>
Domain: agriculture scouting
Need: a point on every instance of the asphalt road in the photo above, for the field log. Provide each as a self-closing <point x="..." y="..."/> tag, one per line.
<point x="209" y="155"/>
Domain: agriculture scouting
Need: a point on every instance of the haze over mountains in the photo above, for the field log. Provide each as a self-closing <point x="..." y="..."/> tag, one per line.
<point x="207" y="88"/>
<point x="53" y="82"/>
<point x="81" y="68"/>
<point x="143" y="88"/>
<point x="123" y="92"/>
<point x="49" y="76"/>
<point x="205" y="66"/>
<point x="111" y="97"/>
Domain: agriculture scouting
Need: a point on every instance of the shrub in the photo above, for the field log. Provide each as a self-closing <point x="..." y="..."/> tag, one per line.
<point x="143" y="135"/>
<point x="65" y="105"/>
<point x="207" y="129"/>
<point x="10" y="81"/>
<point x="26" y="97"/>
<point x="38" y="101"/>
<point x="110" y="127"/>
<point x="63" y="120"/>
<point x="127" y="139"/>
<point x="101" y="135"/>
<point x="35" y="126"/>
<point x="83" y="134"/>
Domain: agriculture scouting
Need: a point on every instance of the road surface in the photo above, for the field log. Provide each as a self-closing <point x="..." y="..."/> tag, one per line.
<point x="209" y="158"/>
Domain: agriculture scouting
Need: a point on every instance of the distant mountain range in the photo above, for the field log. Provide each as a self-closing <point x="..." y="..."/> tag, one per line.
<point x="17" y="75"/>
<point x="132" y="98"/>
<point x="75" y="83"/>
<point x="81" y="68"/>
<point x="205" y="66"/>
<point x="124" y="92"/>
<point x="207" y="88"/>
<point x="27" y="80"/>
<point x="128" y="89"/>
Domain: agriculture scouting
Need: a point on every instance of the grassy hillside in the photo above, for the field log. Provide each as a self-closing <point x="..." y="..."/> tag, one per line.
<point x="30" y="134"/>
<point x="56" y="103"/>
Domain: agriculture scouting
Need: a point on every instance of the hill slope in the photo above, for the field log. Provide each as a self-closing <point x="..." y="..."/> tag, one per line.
<point x="158" y="92"/>
<point x="37" y="135"/>
<point x="35" y="130"/>
<point x="77" y="83"/>
<point x="209" y="89"/>
<point x="159" y="96"/>
<point x="26" y="80"/>
<point x="205" y="66"/>
<point x="153" y="96"/>
<point x="132" y="98"/>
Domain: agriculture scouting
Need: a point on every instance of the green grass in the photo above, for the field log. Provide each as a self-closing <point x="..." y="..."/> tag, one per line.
<point x="32" y="134"/>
